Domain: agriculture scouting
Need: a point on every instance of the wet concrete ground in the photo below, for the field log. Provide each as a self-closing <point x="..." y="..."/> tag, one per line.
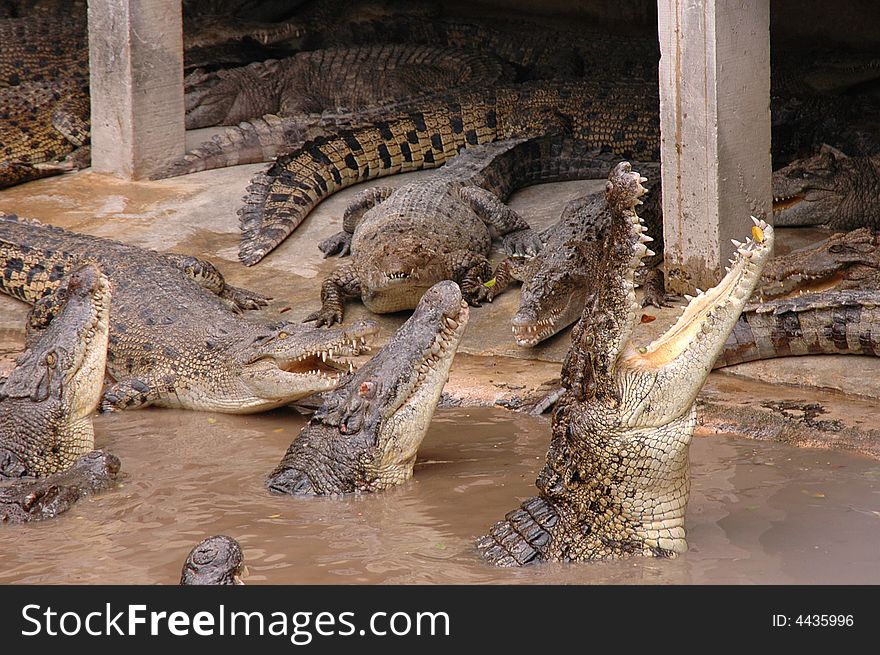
<point x="196" y="214"/>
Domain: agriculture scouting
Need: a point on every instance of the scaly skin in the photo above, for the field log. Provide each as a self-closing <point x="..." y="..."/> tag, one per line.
<point x="828" y="189"/>
<point x="616" y="480"/>
<point x="406" y="240"/>
<point x="620" y="117"/>
<point x="176" y="336"/>
<point x="47" y="402"/>
<point x="354" y="78"/>
<point x="43" y="49"/>
<point x="44" y="123"/>
<point x="217" y="560"/>
<point x="24" y="501"/>
<point x="834" y="322"/>
<point x="365" y="436"/>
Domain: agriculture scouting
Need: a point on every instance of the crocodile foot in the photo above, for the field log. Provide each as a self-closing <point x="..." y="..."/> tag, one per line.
<point x="654" y="287"/>
<point x="339" y="244"/>
<point x="522" y="536"/>
<point x="523" y="243"/>
<point x="324" y="316"/>
<point x="242" y="299"/>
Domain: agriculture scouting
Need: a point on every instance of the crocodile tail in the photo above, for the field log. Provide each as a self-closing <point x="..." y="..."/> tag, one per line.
<point x="522" y="537"/>
<point x="279" y="200"/>
<point x="830" y="322"/>
<point x="249" y="142"/>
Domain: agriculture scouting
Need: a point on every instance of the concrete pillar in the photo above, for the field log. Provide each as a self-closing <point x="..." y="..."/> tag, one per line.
<point x="715" y="132"/>
<point x="136" y="64"/>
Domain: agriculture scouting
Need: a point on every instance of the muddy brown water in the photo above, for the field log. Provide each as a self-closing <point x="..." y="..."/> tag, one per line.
<point x="759" y="512"/>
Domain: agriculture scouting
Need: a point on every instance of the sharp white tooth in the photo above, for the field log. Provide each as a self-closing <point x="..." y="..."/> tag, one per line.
<point x="350" y="367"/>
<point x="645" y="239"/>
<point x="699" y="291"/>
<point x="330" y="353"/>
<point x="688" y="298"/>
<point x="756" y="221"/>
<point x="642" y="179"/>
<point x="738" y="244"/>
<point x="649" y="252"/>
<point x="323" y="357"/>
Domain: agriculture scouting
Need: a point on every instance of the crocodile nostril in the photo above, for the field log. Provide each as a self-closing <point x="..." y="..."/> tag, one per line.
<point x="11" y="466"/>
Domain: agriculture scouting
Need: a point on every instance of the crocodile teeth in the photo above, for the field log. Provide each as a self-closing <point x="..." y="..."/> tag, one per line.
<point x="451" y="323"/>
<point x="736" y="243"/>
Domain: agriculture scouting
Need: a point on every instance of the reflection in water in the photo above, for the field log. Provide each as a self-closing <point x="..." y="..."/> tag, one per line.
<point x="759" y="512"/>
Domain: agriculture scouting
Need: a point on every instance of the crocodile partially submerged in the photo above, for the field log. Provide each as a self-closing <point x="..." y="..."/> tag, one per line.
<point x="47" y="402"/>
<point x="26" y="500"/>
<point x="616" y="479"/>
<point x="217" y="560"/>
<point x="405" y="240"/>
<point x="829" y="189"/>
<point x="620" y="117"/>
<point x="177" y="338"/>
<point x="353" y="78"/>
<point x="366" y="435"/>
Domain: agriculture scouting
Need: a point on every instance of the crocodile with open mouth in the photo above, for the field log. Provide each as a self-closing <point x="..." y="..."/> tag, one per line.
<point x="616" y="479"/>
<point x="366" y="434"/>
<point x="177" y="338"/>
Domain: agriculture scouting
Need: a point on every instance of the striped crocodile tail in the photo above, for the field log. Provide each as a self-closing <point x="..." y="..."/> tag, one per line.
<point x="829" y="322"/>
<point x="522" y="536"/>
<point x="279" y="200"/>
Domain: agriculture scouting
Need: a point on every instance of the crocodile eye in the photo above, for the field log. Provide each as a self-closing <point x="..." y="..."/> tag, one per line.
<point x="282" y="335"/>
<point x="51" y="359"/>
<point x="589" y="340"/>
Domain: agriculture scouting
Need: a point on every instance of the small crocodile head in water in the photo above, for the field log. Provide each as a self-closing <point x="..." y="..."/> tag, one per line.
<point x="366" y="435"/>
<point x="616" y="479"/>
<point x="47" y="402"/>
<point x="286" y="362"/>
<point x="828" y="188"/>
<point x="217" y="560"/>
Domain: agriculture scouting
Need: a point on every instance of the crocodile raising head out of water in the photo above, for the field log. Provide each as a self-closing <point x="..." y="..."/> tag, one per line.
<point x="366" y="435"/>
<point x="47" y="402"/>
<point x="616" y="478"/>
<point x="177" y="338"/>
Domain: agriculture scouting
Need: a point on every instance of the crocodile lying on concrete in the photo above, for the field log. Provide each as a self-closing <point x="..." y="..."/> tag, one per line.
<point x="828" y="189"/>
<point x="366" y="434"/>
<point x="616" y="480"/>
<point x="354" y="78"/>
<point x="621" y="117"/>
<point x="217" y="560"/>
<point x="47" y="402"/>
<point x="43" y="128"/>
<point x="176" y="339"/>
<point x="25" y="501"/>
<point x="405" y="240"/>
<point x="833" y="322"/>
<point x="43" y="49"/>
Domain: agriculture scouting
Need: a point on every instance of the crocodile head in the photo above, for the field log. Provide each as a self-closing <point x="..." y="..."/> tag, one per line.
<point x="827" y="188"/>
<point x="394" y="278"/>
<point x="286" y="362"/>
<point x="23" y="501"/>
<point x="366" y="435"/>
<point x="212" y="98"/>
<point x="616" y="478"/>
<point x="47" y="402"/>
<point x="844" y="256"/>
<point x="217" y="560"/>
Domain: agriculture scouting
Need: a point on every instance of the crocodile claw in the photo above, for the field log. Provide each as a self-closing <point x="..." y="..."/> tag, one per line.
<point x="324" y="316"/>
<point x="339" y="244"/>
<point x="524" y="243"/>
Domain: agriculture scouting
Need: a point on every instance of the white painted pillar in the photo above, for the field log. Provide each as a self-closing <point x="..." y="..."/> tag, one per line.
<point x="136" y="64"/>
<point x="715" y="132"/>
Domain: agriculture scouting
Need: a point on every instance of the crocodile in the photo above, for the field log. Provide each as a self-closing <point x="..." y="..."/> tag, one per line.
<point x="366" y="435"/>
<point x="177" y="338"/>
<point x="44" y="129"/>
<point x="616" y="481"/>
<point x="830" y="189"/>
<point x="25" y="501"/>
<point x="311" y="82"/>
<point x="47" y="402"/>
<point x="405" y="240"/>
<point x="43" y="48"/>
<point x="556" y="281"/>
<point x="846" y="260"/>
<point x="621" y="117"/>
<point x="832" y="322"/>
<point x="217" y="560"/>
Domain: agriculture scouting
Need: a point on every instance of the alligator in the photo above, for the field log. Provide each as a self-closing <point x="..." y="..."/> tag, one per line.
<point x="48" y="399"/>
<point x="25" y="501"/>
<point x="621" y="117"/>
<point x="832" y="322"/>
<point x="43" y="48"/>
<point x="616" y="481"/>
<point x="44" y="128"/>
<point x="217" y="560"/>
<point x="177" y="338"/>
<point x="365" y="436"/>
<point x="405" y="240"/>
<point x="829" y="189"/>
<point x="311" y="82"/>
